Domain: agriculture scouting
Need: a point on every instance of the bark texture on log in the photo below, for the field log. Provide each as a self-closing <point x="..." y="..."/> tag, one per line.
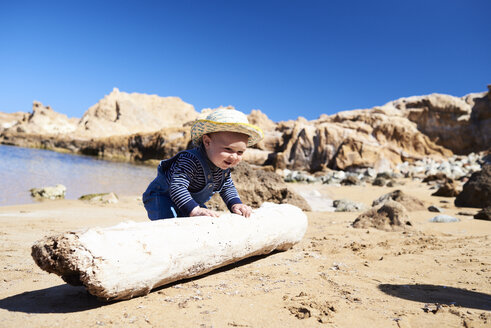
<point x="130" y="259"/>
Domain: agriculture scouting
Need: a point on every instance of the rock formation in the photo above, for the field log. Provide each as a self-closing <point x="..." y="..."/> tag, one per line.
<point x="477" y="190"/>
<point x="7" y="120"/>
<point x="121" y="113"/>
<point x="445" y="119"/>
<point x="43" y="121"/>
<point x="143" y="127"/>
<point x="256" y="186"/>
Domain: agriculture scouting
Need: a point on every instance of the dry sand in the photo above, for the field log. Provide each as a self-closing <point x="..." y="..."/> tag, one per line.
<point x="435" y="275"/>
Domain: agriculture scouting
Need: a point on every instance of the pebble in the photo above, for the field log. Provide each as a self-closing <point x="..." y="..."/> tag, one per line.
<point x="433" y="208"/>
<point x="442" y="218"/>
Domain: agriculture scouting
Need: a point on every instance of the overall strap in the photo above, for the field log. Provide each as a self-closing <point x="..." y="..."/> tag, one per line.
<point x="203" y="161"/>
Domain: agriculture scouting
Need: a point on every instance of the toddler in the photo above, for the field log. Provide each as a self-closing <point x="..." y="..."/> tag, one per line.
<point x="187" y="181"/>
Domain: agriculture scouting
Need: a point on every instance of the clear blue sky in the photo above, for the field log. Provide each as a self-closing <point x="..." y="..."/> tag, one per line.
<point x="287" y="58"/>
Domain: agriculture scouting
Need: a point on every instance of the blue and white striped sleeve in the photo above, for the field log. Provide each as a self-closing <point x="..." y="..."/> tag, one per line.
<point x="184" y="170"/>
<point x="229" y="194"/>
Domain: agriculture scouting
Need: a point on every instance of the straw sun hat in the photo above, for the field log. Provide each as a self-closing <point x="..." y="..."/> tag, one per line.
<point x="230" y="120"/>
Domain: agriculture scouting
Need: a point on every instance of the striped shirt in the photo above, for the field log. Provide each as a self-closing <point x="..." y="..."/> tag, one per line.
<point x="186" y="175"/>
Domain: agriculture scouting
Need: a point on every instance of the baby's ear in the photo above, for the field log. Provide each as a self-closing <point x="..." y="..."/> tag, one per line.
<point x="205" y="139"/>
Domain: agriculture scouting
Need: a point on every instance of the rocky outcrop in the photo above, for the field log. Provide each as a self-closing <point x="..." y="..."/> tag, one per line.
<point x="141" y="146"/>
<point x="121" y="113"/>
<point x="7" y="120"/>
<point x="353" y="139"/>
<point x="43" y="120"/>
<point x="445" y="119"/>
<point x="477" y="190"/>
<point x="147" y="127"/>
<point x="256" y="186"/>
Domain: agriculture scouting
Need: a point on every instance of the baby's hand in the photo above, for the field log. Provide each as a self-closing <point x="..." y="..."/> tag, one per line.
<point x="242" y="209"/>
<point x="200" y="211"/>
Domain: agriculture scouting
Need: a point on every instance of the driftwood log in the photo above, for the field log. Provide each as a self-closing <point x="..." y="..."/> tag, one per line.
<point x="130" y="259"/>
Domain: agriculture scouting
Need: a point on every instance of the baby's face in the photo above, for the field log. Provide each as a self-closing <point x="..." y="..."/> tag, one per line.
<point x="225" y="149"/>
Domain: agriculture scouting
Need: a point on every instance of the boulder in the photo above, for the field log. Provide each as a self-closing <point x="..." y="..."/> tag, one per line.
<point x="484" y="214"/>
<point x="476" y="192"/>
<point x="433" y="208"/>
<point x="256" y="186"/>
<point x="450" y="188"/>
<point x="390" y="216"/>
<point x="438" y="177"/>
<point x="103" y="198"/>
<point x="350" y="180"/>
<point x="409" y="202"/>
<point x="50" y="192"/>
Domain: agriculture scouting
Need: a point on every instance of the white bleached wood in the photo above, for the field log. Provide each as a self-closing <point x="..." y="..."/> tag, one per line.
<point x="130" y="259"/>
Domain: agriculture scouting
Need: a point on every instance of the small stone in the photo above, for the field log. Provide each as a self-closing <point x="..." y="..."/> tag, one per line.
<point x="442" y="218"/>
<point x="104" y="198"/>
<point x="379" y="182"/>
<point x="484" y="214"/>
<point x="433" y="208"/>
<point x="346" y="205"/>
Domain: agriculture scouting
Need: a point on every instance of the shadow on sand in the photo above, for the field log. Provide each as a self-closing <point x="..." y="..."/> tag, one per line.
<point x="58" y="299"/>
<point x="66" y="298"/>
<point x="439" y="294"/>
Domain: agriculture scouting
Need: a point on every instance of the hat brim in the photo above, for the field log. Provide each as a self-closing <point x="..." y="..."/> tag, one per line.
<point x="201" y="127"/>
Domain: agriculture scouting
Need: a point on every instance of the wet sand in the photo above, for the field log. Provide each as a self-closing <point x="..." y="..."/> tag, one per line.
<point x="433" y="275"/>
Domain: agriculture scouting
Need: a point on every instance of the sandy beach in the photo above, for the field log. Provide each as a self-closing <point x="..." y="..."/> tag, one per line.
<point x="431" y="275"/>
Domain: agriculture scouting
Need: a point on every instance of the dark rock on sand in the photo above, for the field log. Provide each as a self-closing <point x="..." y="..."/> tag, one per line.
<point x="350" y="180"/>
<point x="409" y="202"/>
<point x="449" y="189"/>
<point x="434" y="208"/>
<point x="389" y="216"/>
<point x="477" y="190"/>
<point x="256" y="186"/>
<point x="484" y="214"/>
<point x="439" y="177"/>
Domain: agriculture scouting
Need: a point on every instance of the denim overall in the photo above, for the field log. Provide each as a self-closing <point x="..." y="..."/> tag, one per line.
<point x="156" y="198"/>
